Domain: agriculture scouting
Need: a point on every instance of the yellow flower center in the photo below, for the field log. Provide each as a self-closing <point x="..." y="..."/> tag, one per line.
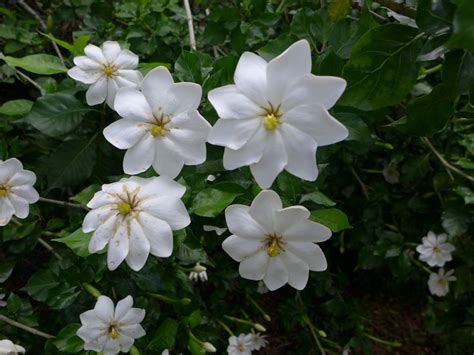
<point x="241" y="347"/>
<point x="443" y="283"/>
<point x="270" y="121"/>
<point x="274" y="245"/>
<point x="436" y="249"/>
<point x="124" y="208"/>
<point x="114" y="334"/>
<point x="3" y="190"/>
<point x="156" y="130"/>
<point x="108" y="70"/>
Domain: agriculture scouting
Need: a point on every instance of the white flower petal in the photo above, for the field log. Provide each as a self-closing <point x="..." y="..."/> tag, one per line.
<point x="159" y="186"/>
<point x="284" y="69"/>
<point x="253" y="267"/>
<point x="134" y="331"/>
<point x="133" y="316"/>
<point x="95" y="53"/>
<point x="233" y="133"/>
<point x="301" y="151"/>
<point x="307" y="231"/>
<point x="272" y="163"/>
<point x="239" y="248"/>
<point x="89" y="317"/>
<point x="23" y="177"/>
<point x="104" y="308"/>
<point x="87" y="64"/>
<point x="122" y="307"/>
<point x="169" y="209"/>
<point x="112" y="88"/>
<point x="140" y="157"/>
<point x="6" y="211"/>
<point x="276" y="274"/>
<point x="159" y="234"/>
<point x="310" y="253"/>
<point x="298" y="270"/>
<point x="312" y="89"/>
<point x="26" y="192"/>
<point x="111" y="50"/>
<point x="102" y="235"/>
<point x="251" y="77"/>
<point x="229" y="102"/>
<point x="97" y="92"/>
<point x="131" y="103"/>
<point x="316" y="121"/>
<point x="111" y="346"/>
<point x="97" y="217"/>
<point x="250" y="153"/>
<point x="129" y="78"/>
<point x="102" y="198"/>
<point x="287" y="217"/>
<point x="139" y="247"/>
<point x="9" y="168"/>
<point x="21" y="206"/>
<point x="240" y="222"/>
<point x="182" y="97"/>
<point x="167" y="160"/>
<point x="189" y="151"/>
<point x="124" y="133"/>
<point x="263" y="209"/>
<point x="86" y="77"/>
<point x="126" y="60"/>
<point x="118" y="247"/>
<point x="125" y="342"/>
<point x="193" y="122"/>
<point x="155" y="85"/>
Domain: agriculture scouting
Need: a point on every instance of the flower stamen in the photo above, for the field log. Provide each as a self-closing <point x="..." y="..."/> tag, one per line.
<point x="114" y="334"/>
<point x="270" y="121"/>
<point x="274" y="245"/>
<point x="3" y="190"/>
<point x="109" y="70"/>
<point x="156" y="130"/>
<point x="124" y="208"/>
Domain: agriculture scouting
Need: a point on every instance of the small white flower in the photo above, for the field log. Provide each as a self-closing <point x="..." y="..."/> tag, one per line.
<point x="276" y="115"/>
<point x="439" y="283"/>
<point x="8" y="348"/>
<point x="135" y="217"/>
<point x="165" y="352"/>
<point x="258" y="341"/>
<point x="275" y="244"/>
<point x="105" y="69"/>
<point x="241" y="345"/>
<point x="16" y="190"/>
<point x="219" y="231"/>
<point x="111" y="329"/>
<point x="211" y="178"/>
<point x="434" y="250"/>
<point x="198" y="273"/>
<point x="161" y="126"/>
<point x="2" y="302"/>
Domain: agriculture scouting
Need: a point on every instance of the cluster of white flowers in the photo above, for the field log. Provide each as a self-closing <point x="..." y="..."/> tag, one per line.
<point x="436" y="251"/>
<point x="244" y="344"/>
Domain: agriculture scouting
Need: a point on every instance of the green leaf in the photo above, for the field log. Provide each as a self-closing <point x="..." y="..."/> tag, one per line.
<point x="333" y="218"/>
<point x="57" y="114"/>
<point x="463" y="26"/>
<point x="44" y="64"/>
<point x="72" y="163"/>
<point x="80" y="43"/>
<point x="40" y="284"/>
<point x="67" y="341"/>
<point x="430" y="113"/>
<point x="338" y="9"/>
<point x="194" y="319"/>
<point x="382" y="68"/>
<point x="77" y="241"/>
<point x="433" y="16"/>
<point x="455" y="220"/>
<point x="458" y="71"/>
<point x="319" y="198"/>
<point x="16" y="107"/>
<point x="211" y="202"/>
<point x="60" y="42"/>
<point x="6" y="268"/>
<point x="86" y="195"/>
<point x="165" y="336"/>
<point x="466" y="193"/>
<point x="358" y="130"/>
<point x="193" y="66"/>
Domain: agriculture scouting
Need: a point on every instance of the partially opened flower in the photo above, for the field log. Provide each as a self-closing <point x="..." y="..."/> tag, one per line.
<point x="105" y="69"/>
<point x="16" y="190"/>
<point x="258" y="341"/>
<point x="435" y="251"/>
<point x="241" y="345"/>
<point x="198" y="273"/>
<point x="110" y="329"/>
<point x="275" y="244"/>
<point x="161" y="126"/>
<point x="7" y="347"/>
<point x="276" y="115"/>
<point x="439" y="283"/>
<point x="135" y="217"/>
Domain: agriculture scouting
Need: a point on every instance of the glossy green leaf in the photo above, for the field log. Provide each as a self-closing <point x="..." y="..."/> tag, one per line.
<point x="44" y="64"/>
<point x="16" y="107"/>
<point x="458" y="71"/>
<point x="211" y="202"/>
<point x="67" y="341"/>
<point x="77" y="241"/>
<point x="333" y="218"/>
<point x="463" y="26"/>
<point x="433" y="16"/>
<point x="338" y="9"/>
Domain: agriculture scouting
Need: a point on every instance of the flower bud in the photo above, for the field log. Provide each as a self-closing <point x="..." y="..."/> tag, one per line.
<point x="208" y="347"/>
<point x="259" y="327"/>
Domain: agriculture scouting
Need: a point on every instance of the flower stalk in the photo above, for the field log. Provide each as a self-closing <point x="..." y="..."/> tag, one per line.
<point x="184" y="301"/>
<point x="91" y="289"/>
<point x="256" y="305"/>
<point x="25" y="327"/>
<point x="62" y="203"/>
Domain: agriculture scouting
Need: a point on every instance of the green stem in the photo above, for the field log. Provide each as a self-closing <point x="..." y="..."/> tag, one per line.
<point x="431" y="70"/>
<point x="255" y="304"/>
<point x="91" y="289"/>
<point x="226" y="328"/>
<point x="394" y="344"/>
<point x="420" y="265"/>
<point x="62" y="203"/>
<point x="313" y="332"/>
<point x="281" y="6"/>
<point x="25" y="327"/>
<point x="184" y="301"/>
<point x="239" y="320"/>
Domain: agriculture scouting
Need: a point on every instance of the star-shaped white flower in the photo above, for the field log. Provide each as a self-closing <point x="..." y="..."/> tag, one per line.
<point x="136" y="217"/>
<point x="434" y="250"/>
<point x="110" y="329"/>
<point x="258" y="341"/>
<point x="105" y="69"/>
<point x="241" y="345"/>
<point x="276" y="115"/>
<point x="9" y="348"/>
<point x="161" y="126"/>
<point x="275" y="244"/>
<point x="16" y="190"/>
<point x="439" y="283"/>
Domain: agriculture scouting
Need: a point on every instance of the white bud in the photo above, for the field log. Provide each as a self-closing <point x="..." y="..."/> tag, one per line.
<point x="259" y="327"/>
<point x="208" y="347"/>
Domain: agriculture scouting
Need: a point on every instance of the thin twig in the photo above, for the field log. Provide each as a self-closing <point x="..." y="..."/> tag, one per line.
<point x="31" y="81"/>
<point x="42" y="25"/>
<point x="363" y="186"/>
<point x="50" y="248"/>
<point x="63" y="203"/>
<point x="399" y="8"/>
<point x="189" y="17"/>
<point x="25" y="327"/>
<point x="448" y="165"/>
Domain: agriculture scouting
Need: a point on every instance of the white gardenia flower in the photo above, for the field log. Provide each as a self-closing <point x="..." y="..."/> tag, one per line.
<point x="434" y="250"/>
<point x="275" y="244"/>
<point x="161" y="126"/>
<point x="439" y="283"/>
<point x="276" y="115"/>
<point x="105" y="69"/>
<point x="198" y="273"/>
<point x="111" y="329"/>
<point x="241" y="345"/>
<point x="258" y="341"/>
<point x="7" y="347"/>
<point x="16" y="190"/>
<point x="135" y="217"/>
